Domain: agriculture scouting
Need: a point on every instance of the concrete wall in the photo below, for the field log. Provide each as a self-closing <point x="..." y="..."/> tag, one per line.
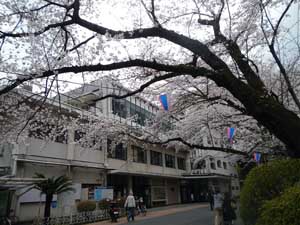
<point x="30" y="204"/>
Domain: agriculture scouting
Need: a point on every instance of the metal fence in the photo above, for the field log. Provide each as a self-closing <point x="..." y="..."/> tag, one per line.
<point x="77" y="218"/>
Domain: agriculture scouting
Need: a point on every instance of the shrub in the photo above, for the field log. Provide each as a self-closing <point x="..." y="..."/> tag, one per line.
<point x="264" y="183"/>
<point x="86" y="206"/>
<point x="104" y="204"/>
<point x="282" y="210"/>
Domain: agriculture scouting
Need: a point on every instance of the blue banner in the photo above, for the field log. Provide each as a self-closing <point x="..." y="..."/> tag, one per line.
<point x="164" y="101"/>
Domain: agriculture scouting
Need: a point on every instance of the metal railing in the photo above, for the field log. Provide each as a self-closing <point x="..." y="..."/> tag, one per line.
<point x="76" y="218"/>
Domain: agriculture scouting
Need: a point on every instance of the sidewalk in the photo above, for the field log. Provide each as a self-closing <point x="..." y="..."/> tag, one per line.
<point x="156" y="212"/>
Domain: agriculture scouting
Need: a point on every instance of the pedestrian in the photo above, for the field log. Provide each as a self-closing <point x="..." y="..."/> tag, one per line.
<point x="142" y="206"/>
<point x="228" y="210"/>
<point x="211" y="200"/>
<point x="130" y="206"/>
<point x="192" y="197"/>
<point x="218" y="207"/>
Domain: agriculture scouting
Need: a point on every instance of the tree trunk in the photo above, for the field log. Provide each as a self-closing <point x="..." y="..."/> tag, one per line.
<point x="47" y="211"/>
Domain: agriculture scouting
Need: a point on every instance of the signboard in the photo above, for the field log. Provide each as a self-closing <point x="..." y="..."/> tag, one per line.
<point x="103" y="193"/>
<point x="53" y="205"/>
<point x="33" y="195"/>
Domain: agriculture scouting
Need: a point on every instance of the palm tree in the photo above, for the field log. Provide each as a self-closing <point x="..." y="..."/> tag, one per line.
<point x="52" y="186"/>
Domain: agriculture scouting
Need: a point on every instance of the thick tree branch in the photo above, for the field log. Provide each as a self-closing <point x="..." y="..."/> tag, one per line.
<point x="190" y="145"/>
<point x="26" y="34"/>
<point x="176" y="69"/>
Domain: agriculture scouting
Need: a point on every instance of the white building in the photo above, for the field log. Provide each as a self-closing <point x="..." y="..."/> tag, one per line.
<point x="211" y="170"/>
<point x="161" y="176"/>
<point x="152" y="172"/>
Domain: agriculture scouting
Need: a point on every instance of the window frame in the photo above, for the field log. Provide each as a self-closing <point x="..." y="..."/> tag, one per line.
<point x="170" y="161"/>
<point x="156" y="161"/>
<point x="139" y="158"/>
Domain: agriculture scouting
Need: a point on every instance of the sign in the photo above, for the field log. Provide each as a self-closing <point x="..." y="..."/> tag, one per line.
<point x="53" y="205"/>
<point x="98" y="194"/>
<point x="103" y="193"/>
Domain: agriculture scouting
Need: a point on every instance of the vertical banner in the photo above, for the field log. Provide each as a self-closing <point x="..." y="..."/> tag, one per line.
<point x="230" y="134"/>
<point x="257" y="156"/>
<point x="164" y="101"/>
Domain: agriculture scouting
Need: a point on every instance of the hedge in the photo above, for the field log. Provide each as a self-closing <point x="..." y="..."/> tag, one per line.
<point x="282" y="210"/>
<point x="86" y="206"/>
<point x="266" y="182"/>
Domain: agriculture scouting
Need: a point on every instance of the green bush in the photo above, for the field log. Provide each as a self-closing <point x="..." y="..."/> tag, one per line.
<point x="86" y="206"/>
<point x="264" y="183"/>
<point x="282" y="210"/>
<point x="104" y="204"/>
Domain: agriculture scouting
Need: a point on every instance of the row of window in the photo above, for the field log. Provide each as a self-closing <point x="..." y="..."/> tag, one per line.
<point x="219" y="165"/>
<point x="202" y="165"/>
<point x="140" y="156"/>
<point x="125" y="109"/>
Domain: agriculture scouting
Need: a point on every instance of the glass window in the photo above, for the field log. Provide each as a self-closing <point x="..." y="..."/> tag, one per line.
<point x="225" y="165"/>
<point x="219" y="164"/>
<point x="119" y="107"/>
<point x="118" y="151"/>
<point x="213" y="165"/>
<point x="139" y="154"/>
<point x="181" y="163"/>
<point x="156" y="158"/>
<point x="125" y="108"/>
<point x="201" y="165"/>
<point x="170" y="161"/>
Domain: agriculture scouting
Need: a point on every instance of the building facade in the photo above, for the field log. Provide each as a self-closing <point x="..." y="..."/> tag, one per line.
<point x="151" y="172"/>
<point x="160" y="175"/>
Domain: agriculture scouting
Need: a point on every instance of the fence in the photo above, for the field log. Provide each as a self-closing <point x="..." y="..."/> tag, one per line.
<point x="77" y="218"/>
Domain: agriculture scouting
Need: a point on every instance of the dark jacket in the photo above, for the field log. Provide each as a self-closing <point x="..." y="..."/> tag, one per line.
<point x="228" y="211"/>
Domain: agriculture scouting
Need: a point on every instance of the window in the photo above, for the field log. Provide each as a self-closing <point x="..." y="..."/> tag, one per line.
<point x="209" y="141"/>
<point x="225" y="165"/>
<point x="90" y="190"/>
<point x="213" y="165"/>
<point x="156" y="158"/>
<point x="219" y="164"/>
<point x="170" y="161"/>
<point x="139" y="154"/>
<point x="181" y="163"/>
<point x="119" y="107"/>
<point x="201" y="164"/>
<point x="159" y="193"/>
<point x="125" y="108"/>
<point x="117" y="151"/>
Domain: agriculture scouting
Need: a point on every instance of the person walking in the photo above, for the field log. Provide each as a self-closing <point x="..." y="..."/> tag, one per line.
<point x="218" y="207"/>
<point x="228" y="211"/>
<point x="142" y="206"/>
<point x="130" y="206"/>
<point x="211" y="200"/>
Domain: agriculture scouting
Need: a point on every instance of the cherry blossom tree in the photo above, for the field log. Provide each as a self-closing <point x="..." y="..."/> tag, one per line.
<point x="225" y="43"/>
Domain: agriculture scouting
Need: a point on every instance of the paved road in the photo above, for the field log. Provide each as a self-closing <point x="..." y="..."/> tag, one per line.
<point x="198" y="216"/>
